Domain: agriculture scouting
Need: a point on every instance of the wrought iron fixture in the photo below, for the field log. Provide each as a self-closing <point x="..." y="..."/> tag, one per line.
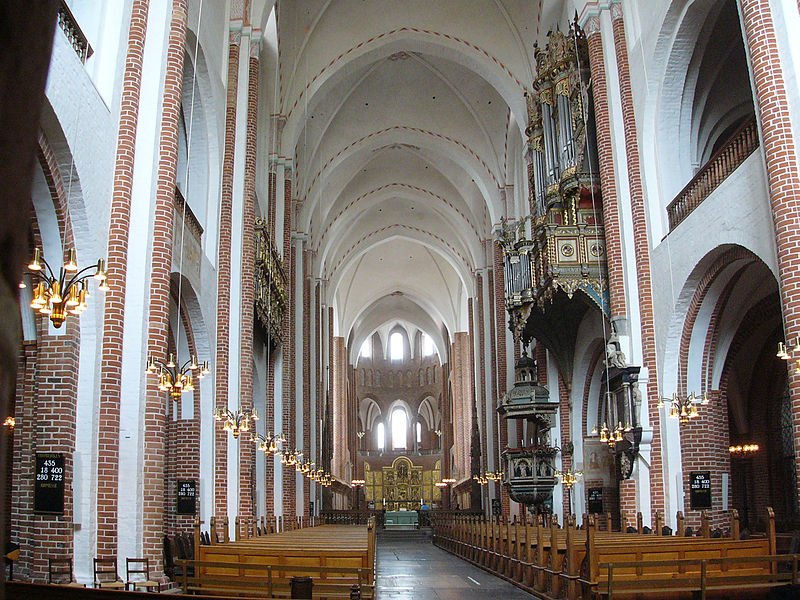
<point x="743" y="450"/>
<point x="360" y="434"/>
<point x="684" y="408"/>
<point x="174" y="379"/>
<point x="237" y="422"/>
<point x="66" y="294"/>
<point x="569" y="477"/>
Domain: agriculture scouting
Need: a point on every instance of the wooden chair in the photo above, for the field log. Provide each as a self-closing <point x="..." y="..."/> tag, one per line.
<point x="59" y="572"/>
<point x="139" y="566"/>
<point x="105" y="574"/>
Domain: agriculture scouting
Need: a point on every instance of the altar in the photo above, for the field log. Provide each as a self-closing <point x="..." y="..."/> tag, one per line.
<point x="401" y="518"/>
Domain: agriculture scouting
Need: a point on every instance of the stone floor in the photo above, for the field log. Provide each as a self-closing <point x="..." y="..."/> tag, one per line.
<point x="410" y="567"/>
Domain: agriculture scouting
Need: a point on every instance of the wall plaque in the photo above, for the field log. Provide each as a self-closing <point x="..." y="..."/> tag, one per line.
<point x="595" y="500"/>
<point x="48" y="490"/>
<point x="700" y="489"/>
<point x="187" y="497"/>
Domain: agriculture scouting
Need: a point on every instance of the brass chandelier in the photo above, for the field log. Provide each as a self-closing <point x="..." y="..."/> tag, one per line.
<point x="173" y="379"/>
<point x="485" y="478"/>
<point x="684" y="408"/>
<point x="65" y="294"/>
<point x="569" y="477"/>
<point x="237" y="422"/>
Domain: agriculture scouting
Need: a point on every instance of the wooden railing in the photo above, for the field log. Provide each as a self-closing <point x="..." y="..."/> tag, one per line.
<point x="183" y="209"/>
<point x="724" y="162"/>
<point x="69" y="25"/>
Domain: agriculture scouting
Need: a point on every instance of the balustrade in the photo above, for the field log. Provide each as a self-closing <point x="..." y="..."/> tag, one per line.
<point x="69" y="25"/>
<point x="724" y="162"/>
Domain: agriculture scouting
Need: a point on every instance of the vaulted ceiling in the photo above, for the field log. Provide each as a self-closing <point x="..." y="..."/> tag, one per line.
<point x="405" y="121"/>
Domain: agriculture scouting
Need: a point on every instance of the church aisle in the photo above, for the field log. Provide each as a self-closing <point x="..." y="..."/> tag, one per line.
<point x="410" y="567"/>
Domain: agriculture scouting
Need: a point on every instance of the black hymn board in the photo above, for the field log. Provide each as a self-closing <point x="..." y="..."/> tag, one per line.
<point x="48" y="489"/>
<point x="700" y="489"/>
<point x="187" y="495"/>
<point x="595" y="500"/>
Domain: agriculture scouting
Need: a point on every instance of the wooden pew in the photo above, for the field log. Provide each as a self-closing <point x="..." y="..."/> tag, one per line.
<point x="657" y="566"/>
<point x="335" y="556"/>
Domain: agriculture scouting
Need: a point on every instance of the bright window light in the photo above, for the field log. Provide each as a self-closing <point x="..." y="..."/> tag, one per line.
<point x="396" y="346"/>
<point x="419" y="433"/>
<point x="427" y="345"/>
<point x="399" y="429"/>
<point x="381" y="434"/>
<point x="366" y="348"/>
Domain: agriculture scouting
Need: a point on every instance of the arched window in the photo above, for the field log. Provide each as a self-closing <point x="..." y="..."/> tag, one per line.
<point x="399" y="429"/>
<point x="366" y="348"/>
<point x="427" y="345"/>
<point x="419" y="432"/>
<point x="396" y="346"/>
<point x="381" y="435"/>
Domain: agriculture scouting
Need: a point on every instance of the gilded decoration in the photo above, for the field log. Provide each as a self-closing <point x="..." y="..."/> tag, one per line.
<point x="402" y="485"/>
<point x="564" y="249"/>
<point x="270" y="282"/>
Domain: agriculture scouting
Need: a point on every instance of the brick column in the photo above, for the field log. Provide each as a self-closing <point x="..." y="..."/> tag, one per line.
<point x="289" y="263"/>
<point x="306" y="366"/>
<point x="158" y="321"/>
<point x="480" y="395"/>
<point x="642" y="252"/>
<point x="783" y="177"/>
<point x="224" y="281"/>
<point x="111" y="354"/>
<point x="501" y="362"/>
<point x="608" y="181"/>
<point x="247" y="450"/>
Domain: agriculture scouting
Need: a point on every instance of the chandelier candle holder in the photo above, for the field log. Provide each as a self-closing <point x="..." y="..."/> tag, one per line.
<point x="743" y="450"/>
<point x="237" y="422"/>
<point x="684" y="408"/>
<point x="174" y="379"/>
<point x="269" y="444"/>
<point x="569" y="477"/>
<point x="66" y="294"/>
<point x="790" y="351"/>
<point x="485" y="478"/>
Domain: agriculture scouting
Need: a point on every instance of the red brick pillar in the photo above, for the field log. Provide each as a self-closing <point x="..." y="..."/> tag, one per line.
<point x="117" y="265"/>
<point x="289" y="263"/>
<point x="224" y="280"/>
<point x="783" y="177"/>
<point x="154" y="415"/>
<point x="480" y="364"/>
<point x="247" y="450"/>
<point x="501" y="364"/>
<point x="608" y="181"/>
<point x="642" y="253"/>
<point x="307" y="375"/>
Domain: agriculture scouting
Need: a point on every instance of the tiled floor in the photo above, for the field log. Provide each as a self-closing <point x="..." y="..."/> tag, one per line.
<point x="410" y="567"/>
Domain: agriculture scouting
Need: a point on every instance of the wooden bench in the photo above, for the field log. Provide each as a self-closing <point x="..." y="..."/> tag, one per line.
<point x="552" y="562"/>
<point x="336" y="557"/>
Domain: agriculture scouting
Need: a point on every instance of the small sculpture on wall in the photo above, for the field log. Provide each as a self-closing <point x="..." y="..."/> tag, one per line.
<point x="614" y="355"/>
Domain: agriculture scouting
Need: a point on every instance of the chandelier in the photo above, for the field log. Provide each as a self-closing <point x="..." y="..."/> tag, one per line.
<point x="237" y="422"/>
<point x="357" y="483"/>
<point x="66" y="294"/>
<point x="684" y="408"/>
<point x="269" y="444"/>
<point x="485" y="478"/>
<point x="611" y="436"/>
<point x="743" y="450"/>
<point x="173" y="379"/>
<point x="568" y="478"/>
